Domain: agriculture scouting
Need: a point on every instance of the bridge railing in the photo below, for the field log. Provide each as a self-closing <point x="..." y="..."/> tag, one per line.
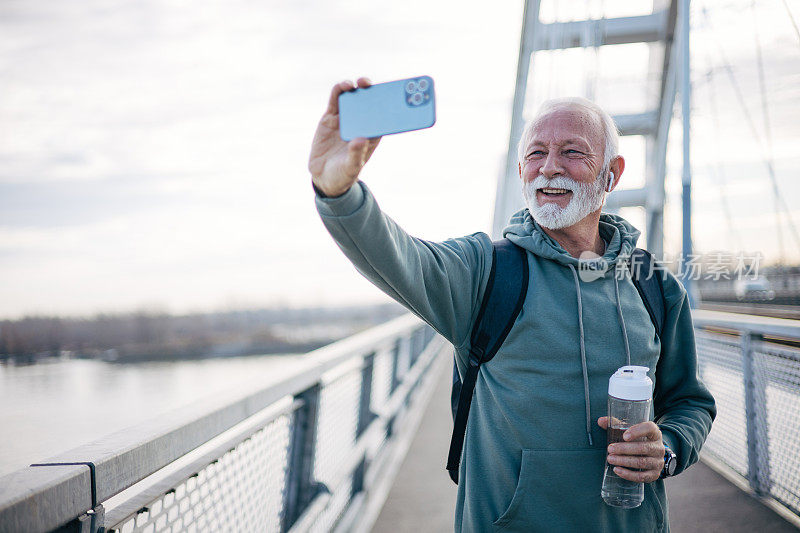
<point x="751" y="365"/>
<point x="304" y="454"/>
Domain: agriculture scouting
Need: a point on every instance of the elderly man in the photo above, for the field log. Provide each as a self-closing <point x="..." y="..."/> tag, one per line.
<point x="533" y="458"/>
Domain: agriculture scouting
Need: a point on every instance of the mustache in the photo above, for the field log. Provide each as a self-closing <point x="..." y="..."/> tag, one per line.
<point x="559" y="182"/>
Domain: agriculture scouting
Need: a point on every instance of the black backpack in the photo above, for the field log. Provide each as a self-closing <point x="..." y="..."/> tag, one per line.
<point x="502" y="301"/>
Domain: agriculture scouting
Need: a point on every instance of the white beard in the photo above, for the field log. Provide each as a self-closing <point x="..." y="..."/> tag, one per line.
<point x="586" y="198"/>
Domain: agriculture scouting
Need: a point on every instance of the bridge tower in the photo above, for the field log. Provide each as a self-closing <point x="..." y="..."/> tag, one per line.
<point x="657" y="31"/>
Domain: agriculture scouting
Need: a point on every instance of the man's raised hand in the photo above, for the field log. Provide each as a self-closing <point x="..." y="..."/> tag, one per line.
<point x="335" y="164"/>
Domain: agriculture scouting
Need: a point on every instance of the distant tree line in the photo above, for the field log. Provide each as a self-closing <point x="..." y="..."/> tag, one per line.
<point x="148" y="335"/>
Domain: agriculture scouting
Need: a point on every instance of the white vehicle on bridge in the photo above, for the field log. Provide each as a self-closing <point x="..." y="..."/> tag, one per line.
<point x="753" y="289"/>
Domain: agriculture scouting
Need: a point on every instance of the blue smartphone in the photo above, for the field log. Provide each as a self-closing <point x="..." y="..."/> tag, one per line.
<point x="386" y="108"/>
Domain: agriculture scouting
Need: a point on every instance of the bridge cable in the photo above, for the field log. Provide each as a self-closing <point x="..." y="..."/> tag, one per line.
<point x="560" y="55"/>
<point x="599" y="37"/>
<point x="726" y="66"/>
<point x="553" y="36"/>
<point x="584" y="43"/>
<point x="791" y="18"/>
<point x="767" y="131"/>
<point x="589" y="43"/>
<point x="719" y="173"/>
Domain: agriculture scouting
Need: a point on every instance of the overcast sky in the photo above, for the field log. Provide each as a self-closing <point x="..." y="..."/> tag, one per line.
<point x="153" y="152"/>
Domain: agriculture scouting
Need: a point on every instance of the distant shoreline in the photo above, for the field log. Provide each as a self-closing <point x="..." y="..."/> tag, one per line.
<point x="115" y="357"/>
<point x="277" y="349"/>
<point x="149" y="336"/>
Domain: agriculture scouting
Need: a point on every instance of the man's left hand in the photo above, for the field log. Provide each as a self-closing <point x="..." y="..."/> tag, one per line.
<point x="641" y="457"/>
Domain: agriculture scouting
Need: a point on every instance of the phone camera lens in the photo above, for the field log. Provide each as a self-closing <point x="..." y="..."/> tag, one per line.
<point x="422" y="84"/>
<point x="417" y="98"/>
<point x="411" y="87"/>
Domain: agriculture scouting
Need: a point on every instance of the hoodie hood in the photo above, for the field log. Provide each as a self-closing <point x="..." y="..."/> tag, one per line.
<point x="620" y="237"/>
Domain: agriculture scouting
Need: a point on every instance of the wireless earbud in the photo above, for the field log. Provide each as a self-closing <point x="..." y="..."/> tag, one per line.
<point x="610" y="182"/>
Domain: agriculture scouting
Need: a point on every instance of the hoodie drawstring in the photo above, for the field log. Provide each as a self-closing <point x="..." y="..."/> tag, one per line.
<point x="622" y="320"/>
<point x="583" y="345"/>
<point x="583" y="357"/>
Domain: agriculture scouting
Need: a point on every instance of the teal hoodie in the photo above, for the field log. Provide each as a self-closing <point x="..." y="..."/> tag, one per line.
<point x="533" y="453"/>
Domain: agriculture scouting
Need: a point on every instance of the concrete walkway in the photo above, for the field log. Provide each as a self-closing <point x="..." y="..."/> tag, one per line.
<point x="423" y="498"/>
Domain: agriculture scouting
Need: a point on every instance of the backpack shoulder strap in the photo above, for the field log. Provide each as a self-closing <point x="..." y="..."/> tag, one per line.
<point x="502" y="301"/>
<point x="647" y="278"/>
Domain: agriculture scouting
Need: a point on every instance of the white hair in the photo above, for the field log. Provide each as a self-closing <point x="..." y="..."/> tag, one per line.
<point x="610" y="131"/>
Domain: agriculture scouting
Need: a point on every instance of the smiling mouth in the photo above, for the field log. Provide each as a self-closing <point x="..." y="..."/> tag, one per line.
<point x="547" y="191"/>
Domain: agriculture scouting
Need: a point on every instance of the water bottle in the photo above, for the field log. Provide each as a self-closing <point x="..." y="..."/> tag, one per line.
<point x="630" y="393"/>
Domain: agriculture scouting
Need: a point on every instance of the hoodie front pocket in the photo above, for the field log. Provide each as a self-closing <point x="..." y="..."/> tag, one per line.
<point x="559" y="490"/>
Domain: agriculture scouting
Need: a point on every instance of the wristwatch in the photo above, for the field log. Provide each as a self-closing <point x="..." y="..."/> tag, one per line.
<point x="670" y="463"/>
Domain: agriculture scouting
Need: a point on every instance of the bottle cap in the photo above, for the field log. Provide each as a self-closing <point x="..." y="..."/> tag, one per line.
<point x="631" y="383"/>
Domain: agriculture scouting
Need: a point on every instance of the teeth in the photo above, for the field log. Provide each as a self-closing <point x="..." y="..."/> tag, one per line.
<point x="554" y="191"/>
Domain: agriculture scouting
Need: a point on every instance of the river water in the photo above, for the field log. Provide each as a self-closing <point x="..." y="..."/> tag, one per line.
<point x="51" y="407"/>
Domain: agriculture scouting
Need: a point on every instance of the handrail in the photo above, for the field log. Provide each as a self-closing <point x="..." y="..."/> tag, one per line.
<point x="760" y="325"/>
<point x="41" y="498"/>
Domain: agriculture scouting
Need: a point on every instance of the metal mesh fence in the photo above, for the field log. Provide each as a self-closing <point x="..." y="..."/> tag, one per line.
<point x="381" y="378"/>
<point x="756" y="385"/>
<point x="720" y="365"/>
<point x="334" y="509"/>
<point x="778" y="369"/>
<point x="303" y="467"/>
<point x="241" y="491"/>
<point x="336" y="436"/>
<point x="336" y="428"/>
